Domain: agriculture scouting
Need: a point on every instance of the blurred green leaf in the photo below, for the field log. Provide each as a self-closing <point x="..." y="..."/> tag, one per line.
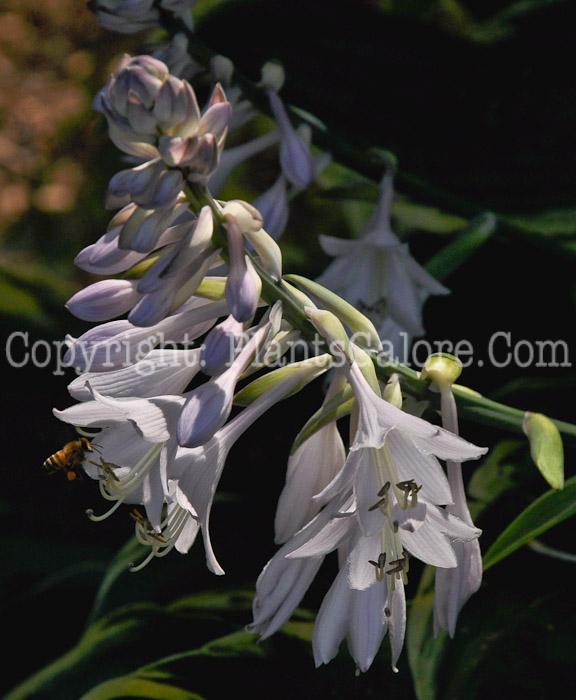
<point x="425" y="651"/>
<point x="411" y="8"/>
<point x="118" y="567"/>
<point x="420" y="217"/>
<point x="461" y="249"/>
<point x="139" y="686"/>
<point x="554" y="222"/>
<point x="545" y="512"/>
<point x="190" y="675"/>
<point x="546" y="447"/>
<point x="116" y="644"/>
<point x="15" y="301"/>
<point x="494" y="477"/>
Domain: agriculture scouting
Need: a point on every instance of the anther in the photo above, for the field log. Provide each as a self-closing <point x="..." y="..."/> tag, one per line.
<point x="383" y="493"/>
<point x="384" y="490"/>
<point x="106" y="469"/>
<point x="399" y="566"/>
<point x="379" y="566"/>
<point x="410" y="490"/>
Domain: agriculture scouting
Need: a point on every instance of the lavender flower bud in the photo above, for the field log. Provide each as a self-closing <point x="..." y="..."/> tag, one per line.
<point x="221" y="346"/>
<point x="243" y="285"/>
<point x="141" y="99"/>
<point x="197" y="143"/>
<point x="295" y="154"/>
<point x="104" y="300"/>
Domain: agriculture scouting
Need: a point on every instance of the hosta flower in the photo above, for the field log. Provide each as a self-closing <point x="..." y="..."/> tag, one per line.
<point x="232" y="157"/>
<point x="149" y="185"/>
<point x="197" y="144"/>
<point x="197" y="470"/>
<point x="134" y="447"/>
<point x="311" y="467"/>
<point x="132" y="233"/>
<point x="273" y="205"/>
<point x="177" y="272"/>
<point x="361" y="616"/>
<point x="162" y="371"/>
<point x="389" y="501"/>
<point x="453" y="587"/>
<point x="117" y="344"/>
<point x="104" y="300"/>
<point x="377" y="274"/>
<point x="221" y="346"/>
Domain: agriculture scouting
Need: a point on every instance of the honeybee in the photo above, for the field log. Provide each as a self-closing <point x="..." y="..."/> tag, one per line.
<point x="69" y="458"/>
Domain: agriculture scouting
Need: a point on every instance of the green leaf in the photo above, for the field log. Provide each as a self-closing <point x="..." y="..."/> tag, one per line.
<point x="545" y="512"/>
<point x="425" y="652"/>
<point x="494" y="477"/>
<point x="421" y="217"/>
<point x="15" y="301"/>
<point x="546" y="447"/>
<point x="139" y="687"/>
<point x="115" y="645"/>
<point x="554" y="222"/>
<point x="461" y="249"/>
<point x="206" y="671"/>
<point x="131" y="551"/>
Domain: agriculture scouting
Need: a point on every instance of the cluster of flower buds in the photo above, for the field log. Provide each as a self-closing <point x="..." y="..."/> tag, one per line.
<point x="160" y="385"/>
<point x="298" y="166"/>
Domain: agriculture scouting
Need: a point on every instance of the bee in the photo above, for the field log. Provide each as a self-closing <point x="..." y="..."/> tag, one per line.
<point x="69" y="458"/>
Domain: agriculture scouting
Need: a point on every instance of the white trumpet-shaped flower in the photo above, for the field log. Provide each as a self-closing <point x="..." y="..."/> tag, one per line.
<point x="387" y="503"/>
<point x="377" y="274"/>
<point x="311" y="467"/>
<point x="197" y="471"/>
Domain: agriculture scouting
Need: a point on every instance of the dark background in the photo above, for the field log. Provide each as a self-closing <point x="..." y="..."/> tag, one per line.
<point x="489" y="121"/>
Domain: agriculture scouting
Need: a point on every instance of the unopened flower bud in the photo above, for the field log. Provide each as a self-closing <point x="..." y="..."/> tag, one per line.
<point x="441" y="369"/>
<point x="392" y="391"/>
<point x="221" y="346"/>
<point x="273" y="76"/>
<point x="330" y="327"/>
<point x="243" y="285"/>
<point x="295" y="154"/>
<point x="104" y="300"/>
<point x="273" y="205"/>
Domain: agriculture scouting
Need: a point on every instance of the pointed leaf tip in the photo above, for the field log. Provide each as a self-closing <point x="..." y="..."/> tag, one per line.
<point x="546" y="447"/>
